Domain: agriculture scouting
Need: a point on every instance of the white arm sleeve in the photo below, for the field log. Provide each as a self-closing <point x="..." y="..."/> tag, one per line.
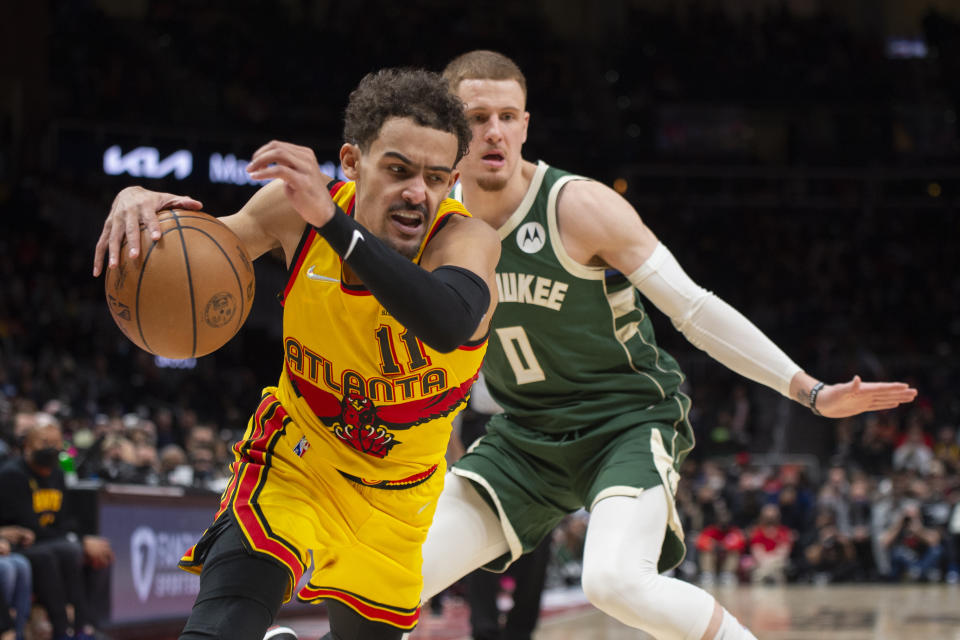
<point x="711" y="324"/>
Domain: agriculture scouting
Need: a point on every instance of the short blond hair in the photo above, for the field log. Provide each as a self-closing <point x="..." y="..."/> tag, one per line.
<point x="483" y="65"/>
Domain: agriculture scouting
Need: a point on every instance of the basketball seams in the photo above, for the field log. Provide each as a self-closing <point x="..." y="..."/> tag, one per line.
<point x="186" y="262"/>
<point x="241" y="316"/>
<point x="143" y="271"/>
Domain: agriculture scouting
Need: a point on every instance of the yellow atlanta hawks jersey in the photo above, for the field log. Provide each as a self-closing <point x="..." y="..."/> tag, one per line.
<point x="373" y="397"/>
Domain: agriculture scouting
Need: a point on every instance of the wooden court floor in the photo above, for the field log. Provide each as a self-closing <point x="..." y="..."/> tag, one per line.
<point x="875" y="612"/>
<point x="858" y="612"/>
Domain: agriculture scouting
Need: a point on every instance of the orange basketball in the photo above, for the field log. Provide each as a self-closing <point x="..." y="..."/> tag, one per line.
<point x="188" y="293"/>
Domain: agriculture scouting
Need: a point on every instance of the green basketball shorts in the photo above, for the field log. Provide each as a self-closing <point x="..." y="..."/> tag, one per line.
<point x="532" y="479"/>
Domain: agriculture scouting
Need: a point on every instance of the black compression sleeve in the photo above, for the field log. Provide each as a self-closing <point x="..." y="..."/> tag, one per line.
<point x="441" y="307"/>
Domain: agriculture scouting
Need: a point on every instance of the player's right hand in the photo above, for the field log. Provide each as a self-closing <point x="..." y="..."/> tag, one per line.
<point x="132" y="207"/>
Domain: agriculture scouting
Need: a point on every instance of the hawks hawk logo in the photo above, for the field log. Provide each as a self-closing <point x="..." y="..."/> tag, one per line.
<point x="366" y="427"/>
<point x="531" y="237"/>
<point x="357" y="428"/>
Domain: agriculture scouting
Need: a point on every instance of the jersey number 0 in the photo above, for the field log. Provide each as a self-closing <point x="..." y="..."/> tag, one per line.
<point x="516" y="346"/>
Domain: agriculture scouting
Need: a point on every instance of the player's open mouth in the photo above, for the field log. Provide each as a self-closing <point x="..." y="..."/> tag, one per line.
<point x="408" y="221"/>
<point x="493" y="158"/>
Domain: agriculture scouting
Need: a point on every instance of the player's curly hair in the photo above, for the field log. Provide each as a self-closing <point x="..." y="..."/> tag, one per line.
<point x="422" y="96"/>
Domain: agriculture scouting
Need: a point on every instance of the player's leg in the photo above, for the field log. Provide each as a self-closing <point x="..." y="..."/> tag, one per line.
<point x="347" y="624"/>
<point x="634" y="531"/>
<point x="620" y="577"/>
<point x="465" y="535"/>
<point x="240" y="593"/>
<point x="501" y="499"/>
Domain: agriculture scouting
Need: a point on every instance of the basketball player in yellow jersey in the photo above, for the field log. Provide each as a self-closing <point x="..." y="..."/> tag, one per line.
<point x="385" y="319"/>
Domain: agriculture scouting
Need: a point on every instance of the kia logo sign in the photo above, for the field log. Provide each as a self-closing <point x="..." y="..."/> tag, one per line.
<point x="145" y="162"/>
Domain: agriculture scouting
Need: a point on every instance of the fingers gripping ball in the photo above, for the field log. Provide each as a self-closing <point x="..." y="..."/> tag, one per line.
<point x="188" y="293"/>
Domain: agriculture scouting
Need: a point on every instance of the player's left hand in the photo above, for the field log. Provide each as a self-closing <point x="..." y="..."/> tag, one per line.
<point x="850" y="398"/>
<point x="304" y="184"/>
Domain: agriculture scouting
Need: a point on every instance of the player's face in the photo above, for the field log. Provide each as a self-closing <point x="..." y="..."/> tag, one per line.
<point x="495" y="111"/>
<point x="401" y="180"/>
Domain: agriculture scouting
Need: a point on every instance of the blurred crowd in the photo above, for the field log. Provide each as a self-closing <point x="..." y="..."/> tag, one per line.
<point x="600" y="74"/>
<point x="775" y="524"/>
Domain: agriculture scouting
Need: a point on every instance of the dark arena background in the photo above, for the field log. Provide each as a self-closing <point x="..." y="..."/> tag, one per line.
<point x="800" y="158"/>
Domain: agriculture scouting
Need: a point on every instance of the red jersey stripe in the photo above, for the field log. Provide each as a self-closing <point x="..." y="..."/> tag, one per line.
<point x="367" y="609"/>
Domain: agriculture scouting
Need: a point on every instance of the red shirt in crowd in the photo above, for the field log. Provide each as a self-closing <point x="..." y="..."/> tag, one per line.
<point x="771" y="537"/>
<point x="726" y="538"/>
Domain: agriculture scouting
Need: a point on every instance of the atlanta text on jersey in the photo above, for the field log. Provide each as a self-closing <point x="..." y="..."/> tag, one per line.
<point x="320" y="371"/>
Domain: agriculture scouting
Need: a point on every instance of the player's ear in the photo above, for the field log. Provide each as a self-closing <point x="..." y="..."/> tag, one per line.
<point x="526" y="125"/>
<point x="350" y="160"/>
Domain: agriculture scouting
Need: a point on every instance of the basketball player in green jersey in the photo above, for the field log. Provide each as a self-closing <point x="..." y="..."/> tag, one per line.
<point x="593" y="415"/>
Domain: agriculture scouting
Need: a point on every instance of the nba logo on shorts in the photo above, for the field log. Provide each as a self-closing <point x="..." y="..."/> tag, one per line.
<point x="301" y="447"/>
<point x="531" y="237"/>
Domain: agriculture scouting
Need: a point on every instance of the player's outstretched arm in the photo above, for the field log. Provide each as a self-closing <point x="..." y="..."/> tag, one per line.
<point x="599" y="227"/>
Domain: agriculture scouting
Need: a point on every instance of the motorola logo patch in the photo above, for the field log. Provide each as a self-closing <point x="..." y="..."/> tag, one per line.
<point x="531" y="237"/>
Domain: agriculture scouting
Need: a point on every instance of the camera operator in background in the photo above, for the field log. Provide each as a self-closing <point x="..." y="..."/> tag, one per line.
<point x="915" y="549"/>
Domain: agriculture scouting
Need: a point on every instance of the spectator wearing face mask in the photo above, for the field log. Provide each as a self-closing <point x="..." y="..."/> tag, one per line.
<point x="32" y="492"/>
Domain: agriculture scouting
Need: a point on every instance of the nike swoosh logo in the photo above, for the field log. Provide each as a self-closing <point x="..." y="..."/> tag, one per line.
<point x="357" y="237"/>
<point x="317" y="276"/>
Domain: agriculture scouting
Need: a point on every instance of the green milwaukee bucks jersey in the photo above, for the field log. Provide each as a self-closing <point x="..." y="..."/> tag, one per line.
<point x="570" y="345"/>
